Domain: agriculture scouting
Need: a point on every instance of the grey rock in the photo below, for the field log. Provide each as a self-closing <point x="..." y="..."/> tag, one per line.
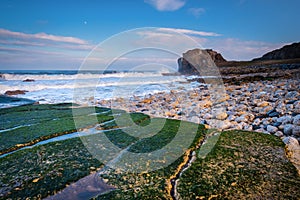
<point x="261" y="130"/>
<point x="292" y="95"/>
<point x="285" y="119"/>
<point x="278" y="134"/>
<point x="297" y="106"/>
<point x="274" y="114"/>
<point x="290" y="140"/>
<point x="272" y="129"/>
<point x="296" y="131"/>
<point x="219" y="124"/>
<point x="195" y="119"/>
<point x="248" y="128"/>
<point x="231" y="118"/>
<point x="257" y="121"/>
<point x="277" y="124"/>
<point x="288" y="129"/>
<point x="207" y="116"/>
<point x="296" y="120"/>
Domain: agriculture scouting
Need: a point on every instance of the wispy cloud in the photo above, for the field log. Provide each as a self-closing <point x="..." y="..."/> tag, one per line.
<point x="196" y="12"/>
<point x="190" y="32"/>
<point x="166" y="5"/>
<point x="34" y="49"/>
<point x="41" y="36"/>
<point x="12" y="38"/>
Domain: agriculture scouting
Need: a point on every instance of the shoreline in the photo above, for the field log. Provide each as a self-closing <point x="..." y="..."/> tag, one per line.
<point x="195" y="106"/>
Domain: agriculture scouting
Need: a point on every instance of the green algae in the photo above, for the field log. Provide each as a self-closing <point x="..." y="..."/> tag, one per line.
<point x="242" y="165"/>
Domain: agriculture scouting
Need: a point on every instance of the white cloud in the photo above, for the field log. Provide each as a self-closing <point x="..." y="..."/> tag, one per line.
<point x="166" y="5"/>
<point x="196" y="11"/>
<point x="41" y="36"/>
<point x="41" y="49"/>
<point x="190" y="32"/>
<point x="11" y="38"/>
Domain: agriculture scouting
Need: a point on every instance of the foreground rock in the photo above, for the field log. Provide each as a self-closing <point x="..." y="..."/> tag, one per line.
<point x="293" y="151"/>
<point x="15" y="92"/>
<point x="28" y="80"/>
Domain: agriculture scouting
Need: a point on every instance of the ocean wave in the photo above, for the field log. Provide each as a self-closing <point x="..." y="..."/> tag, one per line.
<point x="35" y="86"/>
<point x="8" y="76"/>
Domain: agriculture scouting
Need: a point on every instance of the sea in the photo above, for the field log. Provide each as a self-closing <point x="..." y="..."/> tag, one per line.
<point x="86" y="87"/>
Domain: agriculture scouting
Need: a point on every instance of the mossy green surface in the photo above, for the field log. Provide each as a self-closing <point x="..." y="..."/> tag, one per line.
<point x="152" y="184"/>
<point x="43" y="170"/>
<point x="32" y="123"/>
<point x="242" y="165"/>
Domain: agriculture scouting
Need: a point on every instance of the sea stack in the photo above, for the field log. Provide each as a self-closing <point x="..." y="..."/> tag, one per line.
<point x="196" y="60"/>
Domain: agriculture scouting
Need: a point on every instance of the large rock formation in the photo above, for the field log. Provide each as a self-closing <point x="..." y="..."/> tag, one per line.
<point x="196" y="61"/>
<point x="291" y="51"/>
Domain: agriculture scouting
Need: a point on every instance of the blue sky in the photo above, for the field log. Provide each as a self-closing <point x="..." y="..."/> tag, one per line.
<point x="53" y="34"/>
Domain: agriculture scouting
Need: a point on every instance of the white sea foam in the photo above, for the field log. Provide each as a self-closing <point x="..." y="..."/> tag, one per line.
<point x="7" y="76"/>
<point x="59" y="88"/>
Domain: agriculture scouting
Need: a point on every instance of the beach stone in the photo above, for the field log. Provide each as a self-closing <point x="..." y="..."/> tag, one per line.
<point x="288" y="129"/>
<point x="248" y="127"/>
<point x="207" y="116"/>
<point x="222" y="98"/>
<point x="219" y="124"/>
<point x="263" y="104"/>
<point x="231" y="118"/>
<point x="292" y="151"/>
<point x="261" y="130"/>
<point x="292" y="95"/>
<point x="221" y="116"/>
<point x="281" y="108"/>
<point x="296" y="120"/>
<point x="257" y="121"/>
<point x="296" y="131"/>
<point x="272" y="129"/>
<point x="205" y="103"/>
<point x="289" y="107"/>
<point x="195" y="119"/>
<point x="265" y="110"/>
<point x="274" y="114"/>
<point x="240" y="107"/>
<point x="241" y="119"/>
<point x="277" y="124"/>
<point x="192" y="113"/>
<point x="290" y="140"/>
<point x="287" y="119"/>
<point x="278" y="134"/>
<point x="297" y="106"/>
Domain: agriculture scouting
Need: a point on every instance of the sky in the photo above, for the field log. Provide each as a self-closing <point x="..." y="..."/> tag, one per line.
<point x="53" y="34"/>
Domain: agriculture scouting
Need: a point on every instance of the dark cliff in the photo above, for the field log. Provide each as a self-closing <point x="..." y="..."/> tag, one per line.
<point x="291" y="51"/>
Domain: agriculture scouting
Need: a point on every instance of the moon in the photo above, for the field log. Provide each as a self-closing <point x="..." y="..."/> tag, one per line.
<point x="85" y="22"/>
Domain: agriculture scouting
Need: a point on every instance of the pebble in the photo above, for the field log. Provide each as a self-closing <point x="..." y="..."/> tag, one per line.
<point x="296" y="120"/>
<point x="272" y="129"/>
<point x="278" y="134"/>
<point x="285" y="119"/>
<point x="288" y="129"/>
<point x="271" y="107"/>
<point x="296" y="131"/>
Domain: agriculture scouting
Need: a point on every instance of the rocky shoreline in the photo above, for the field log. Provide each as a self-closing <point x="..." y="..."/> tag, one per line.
<point x="267" y="106"/>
